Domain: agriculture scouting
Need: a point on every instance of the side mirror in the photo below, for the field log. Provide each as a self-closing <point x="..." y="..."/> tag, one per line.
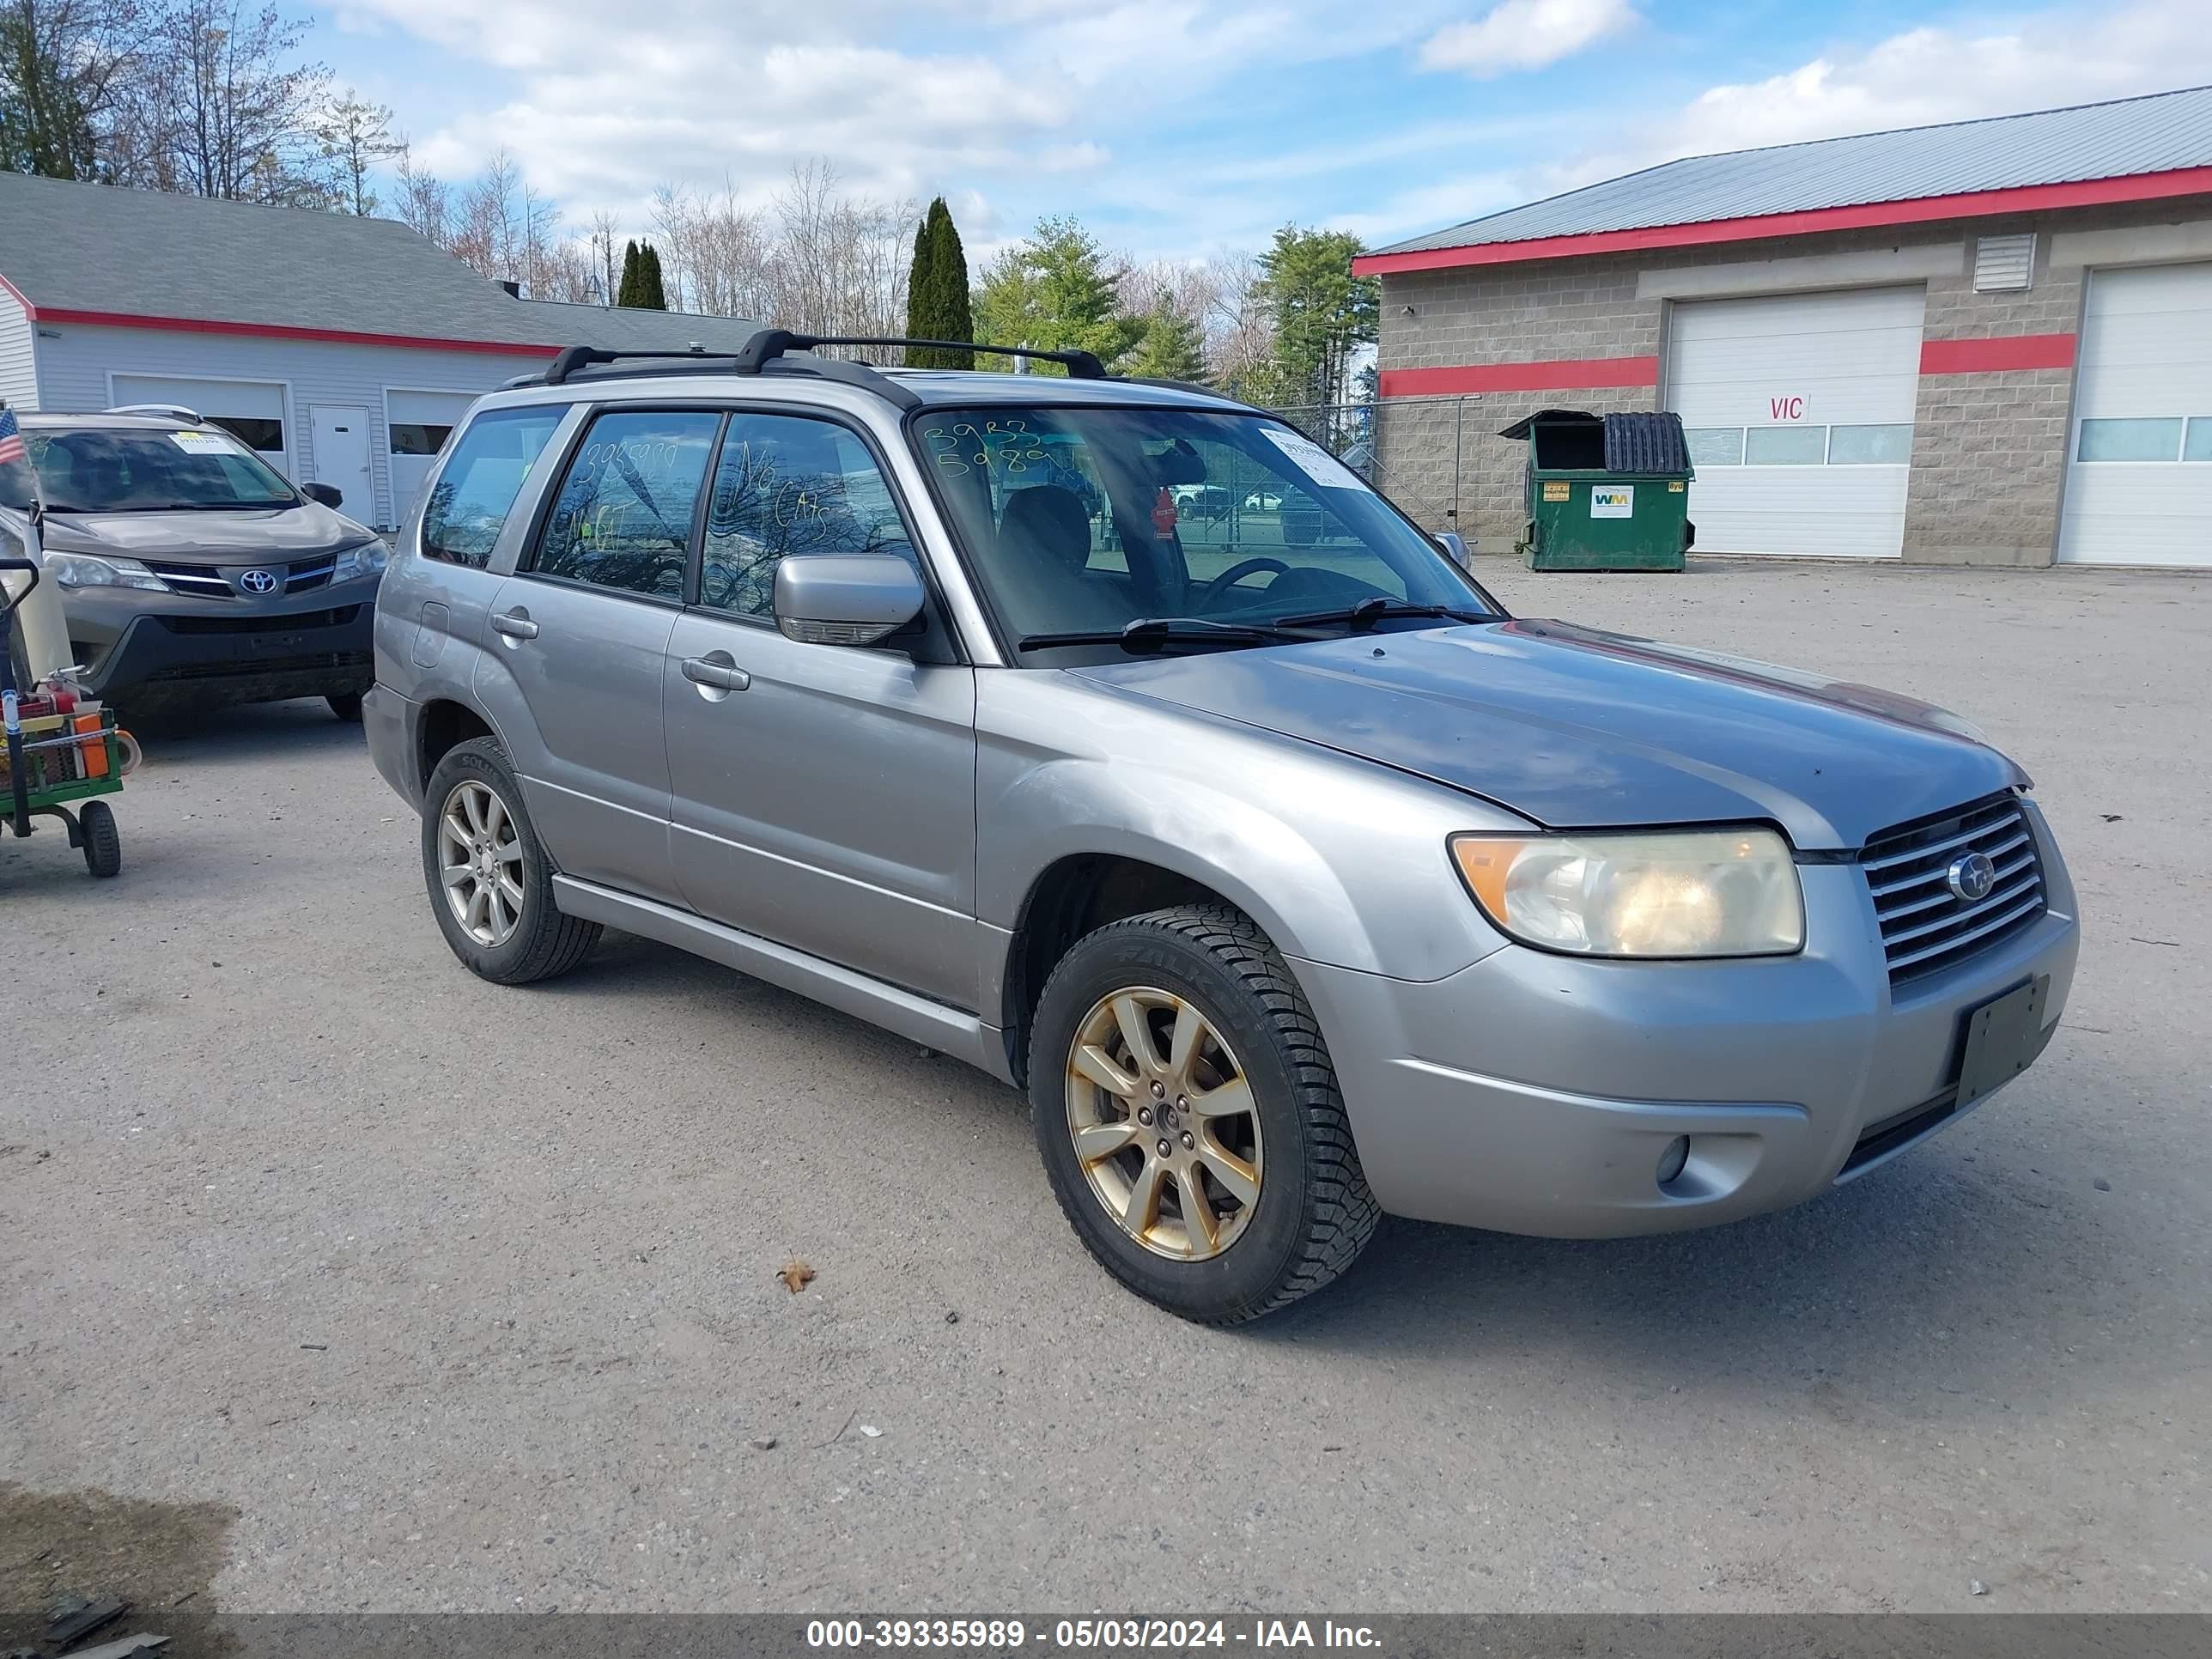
<point x="846" y="598"/>
<point x="1455" y="547"/>
<point x="329" y="495"/>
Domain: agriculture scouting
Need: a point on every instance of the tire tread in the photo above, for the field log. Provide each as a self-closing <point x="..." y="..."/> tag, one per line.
<point x="1341" y="1212"/>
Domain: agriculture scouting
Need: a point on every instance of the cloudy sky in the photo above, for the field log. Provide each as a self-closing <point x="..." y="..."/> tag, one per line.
<point x="1181" y="128"/>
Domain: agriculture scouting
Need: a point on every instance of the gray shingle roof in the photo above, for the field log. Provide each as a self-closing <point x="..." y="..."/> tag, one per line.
<point x="2153" y="134"/>
<point x="143" y="254"/>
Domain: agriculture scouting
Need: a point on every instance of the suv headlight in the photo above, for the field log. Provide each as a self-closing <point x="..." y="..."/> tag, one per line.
<point x="82" y="570"/>
<point x="361" y="559"/>
<point x="1664" y="893"/>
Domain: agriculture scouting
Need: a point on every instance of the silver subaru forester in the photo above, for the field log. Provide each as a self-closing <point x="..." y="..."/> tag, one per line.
<point x="1293" y="879"/>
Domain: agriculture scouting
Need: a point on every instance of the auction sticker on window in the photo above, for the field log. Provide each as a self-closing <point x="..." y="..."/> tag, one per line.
<point x="1613" y="501"/>
<point x="200" y="443"/>
<point x="1317" y="464"/>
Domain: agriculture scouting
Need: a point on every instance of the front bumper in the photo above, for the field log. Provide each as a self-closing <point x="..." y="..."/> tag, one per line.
<point x="139" y="647"/>
<point x="1535" y="1093"/>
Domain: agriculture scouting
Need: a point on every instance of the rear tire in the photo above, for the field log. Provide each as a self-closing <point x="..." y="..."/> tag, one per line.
<point x="346" y="705"/>
<point x="103" y="846"/>
<point x="504" y="928"/>
<point x="1286" y="1207"/>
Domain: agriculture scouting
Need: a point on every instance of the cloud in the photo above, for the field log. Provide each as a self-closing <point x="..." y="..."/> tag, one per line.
<point x="1525" y="34"/>
<point x="1923" y="75"/>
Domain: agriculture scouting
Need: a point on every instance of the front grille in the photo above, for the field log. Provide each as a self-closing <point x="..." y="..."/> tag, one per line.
<point x="1901" y="1130"/>
<point x="201" y="580"/>
<point x="265" y="667"/>
<point x="1925" y="926"/>
<point x="206" y="582"/>
<point x="337" y="617"/>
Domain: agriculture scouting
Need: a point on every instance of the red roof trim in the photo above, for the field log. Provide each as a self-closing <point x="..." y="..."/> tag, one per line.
<point x="1570" y="374"/>
<point x="282" y="332"/>
<point x="22" y="299"/>
<point x="2087" y="192"/>
<point x="1990" y="356"/>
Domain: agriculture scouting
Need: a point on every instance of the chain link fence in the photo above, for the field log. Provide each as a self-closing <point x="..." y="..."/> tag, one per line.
<point x="1414" y="450"/>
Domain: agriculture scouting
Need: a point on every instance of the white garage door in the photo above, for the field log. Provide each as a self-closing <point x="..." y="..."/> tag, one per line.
<point x="417" y="424"/>
<point x="252" y="409"/>
<point x="1799" y="409"/>
<point x="2139" y="490"/>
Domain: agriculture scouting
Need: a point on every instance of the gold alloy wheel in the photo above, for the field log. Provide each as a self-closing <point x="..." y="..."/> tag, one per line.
<point x="1163" y="1121"/>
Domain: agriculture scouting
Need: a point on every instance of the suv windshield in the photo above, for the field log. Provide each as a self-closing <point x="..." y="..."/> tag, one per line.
<point x="1083" y="521"/>
<point x="136" y="469"/>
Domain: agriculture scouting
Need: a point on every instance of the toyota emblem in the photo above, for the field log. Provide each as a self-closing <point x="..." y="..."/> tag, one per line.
<point x="265" y="581"/>
<point x="1970" y="877"/>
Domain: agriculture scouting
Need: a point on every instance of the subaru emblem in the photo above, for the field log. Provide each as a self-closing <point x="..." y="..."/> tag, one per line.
<point x="1970" y="877"/>
<point x="265" y="581"/>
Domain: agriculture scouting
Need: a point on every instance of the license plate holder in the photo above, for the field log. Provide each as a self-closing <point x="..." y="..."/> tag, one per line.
<point x="2003" y="1036"/>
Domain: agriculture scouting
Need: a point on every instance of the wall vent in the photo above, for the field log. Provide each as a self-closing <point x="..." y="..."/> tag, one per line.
<point x="2004" y="264"/>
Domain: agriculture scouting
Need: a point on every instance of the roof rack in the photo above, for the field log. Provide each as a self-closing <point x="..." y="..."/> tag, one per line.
<point x="771" y="343"/>
<point x="770" y="352"/>
<point x="177" y="410"/>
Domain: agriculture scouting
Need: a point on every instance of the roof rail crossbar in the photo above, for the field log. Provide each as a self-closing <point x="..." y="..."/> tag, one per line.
<point x="176" y="409"/>
<point x="772" y="342"/>
<point x="572" y="358"/>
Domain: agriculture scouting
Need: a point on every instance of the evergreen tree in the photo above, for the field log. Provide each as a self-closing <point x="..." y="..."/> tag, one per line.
<point x="1173" y="349"/>
<point x="1320" y="310"/>
<point x="650" y="294"/>
<point x="938" y="306"/>
<point x="1056" y="291"/>
<point x="626" y="293"/>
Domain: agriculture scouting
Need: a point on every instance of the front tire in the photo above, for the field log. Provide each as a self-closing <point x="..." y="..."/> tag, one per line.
<point x="346" y="705"/>
<point x="1189" y="1118"/>
<point x="491" y="884"/>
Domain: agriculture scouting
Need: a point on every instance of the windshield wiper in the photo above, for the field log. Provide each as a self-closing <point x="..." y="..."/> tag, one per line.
<point x="1150" y="633"/>
<point x="1365" y="615"/>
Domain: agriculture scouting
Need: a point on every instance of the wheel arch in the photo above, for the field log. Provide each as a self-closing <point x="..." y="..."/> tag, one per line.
<point x="444" y="724"/>
<point x="1077" y="893"/>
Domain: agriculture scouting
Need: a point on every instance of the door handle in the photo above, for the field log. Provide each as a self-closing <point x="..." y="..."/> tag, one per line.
<point x="717" y="672"/>
<point x="516" y="625"/>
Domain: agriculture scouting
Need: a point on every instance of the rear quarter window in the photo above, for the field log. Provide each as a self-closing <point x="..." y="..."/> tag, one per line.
<point x="491" y="461"/>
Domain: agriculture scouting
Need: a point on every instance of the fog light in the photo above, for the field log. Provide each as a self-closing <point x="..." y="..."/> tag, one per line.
<point x="1672" y="1160"/>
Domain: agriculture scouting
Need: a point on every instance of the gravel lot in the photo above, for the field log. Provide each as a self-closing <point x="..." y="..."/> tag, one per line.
<point x="464" y="1298"/>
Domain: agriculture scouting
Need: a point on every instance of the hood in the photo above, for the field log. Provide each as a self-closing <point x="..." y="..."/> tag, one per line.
<point x="1578" y="729"/>
<point x="217" y="536"/>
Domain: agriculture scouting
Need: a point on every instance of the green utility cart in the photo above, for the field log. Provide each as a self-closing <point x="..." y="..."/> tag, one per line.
<point x="1609" y="492"/>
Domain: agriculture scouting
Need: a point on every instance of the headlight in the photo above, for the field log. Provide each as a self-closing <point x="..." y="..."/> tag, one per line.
<point x="365" y="559"/>
<point x="82" y="570"/>
<point x="1672" y="893"/>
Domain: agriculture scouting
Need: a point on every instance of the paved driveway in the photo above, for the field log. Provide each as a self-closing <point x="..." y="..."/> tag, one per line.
<point x="465" y="1297"/>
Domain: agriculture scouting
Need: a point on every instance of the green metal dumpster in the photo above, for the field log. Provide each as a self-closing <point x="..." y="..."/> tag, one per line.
<point x="1607" y="492"/>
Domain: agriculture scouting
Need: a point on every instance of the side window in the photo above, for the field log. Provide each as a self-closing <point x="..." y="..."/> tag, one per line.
<point x="622" y="518"/>
<point x="462" y="519"/>
<point x="787" y="485"/>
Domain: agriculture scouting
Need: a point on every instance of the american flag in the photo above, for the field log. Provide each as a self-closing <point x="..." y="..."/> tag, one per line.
<point x="11" y="437"/>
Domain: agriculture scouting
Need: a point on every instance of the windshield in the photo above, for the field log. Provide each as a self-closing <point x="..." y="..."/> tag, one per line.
<point x="1086" y="520"/>
<point x="111" y="470"/>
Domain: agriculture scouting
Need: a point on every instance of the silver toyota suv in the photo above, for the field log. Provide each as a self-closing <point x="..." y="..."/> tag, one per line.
<point x="1293" y="879"/>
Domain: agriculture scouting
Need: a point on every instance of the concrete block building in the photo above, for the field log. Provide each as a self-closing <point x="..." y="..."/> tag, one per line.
<point x="1985" y="343"/>
<point x="342" y="348"/>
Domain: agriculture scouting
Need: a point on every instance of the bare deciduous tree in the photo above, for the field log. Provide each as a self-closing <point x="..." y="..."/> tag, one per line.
<point x="229" y="114"/>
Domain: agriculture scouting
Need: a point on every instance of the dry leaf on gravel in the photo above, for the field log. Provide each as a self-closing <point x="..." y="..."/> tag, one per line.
<point x="795" y="1274"/>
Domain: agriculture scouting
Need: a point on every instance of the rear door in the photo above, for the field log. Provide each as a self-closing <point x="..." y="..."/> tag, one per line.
<point x="579" y="642"/>
<point x="824" y="795"/>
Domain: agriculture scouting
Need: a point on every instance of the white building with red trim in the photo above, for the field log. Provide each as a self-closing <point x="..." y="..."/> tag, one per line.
<point x="1989" y="342"/>
<point x="342" y="348"/>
